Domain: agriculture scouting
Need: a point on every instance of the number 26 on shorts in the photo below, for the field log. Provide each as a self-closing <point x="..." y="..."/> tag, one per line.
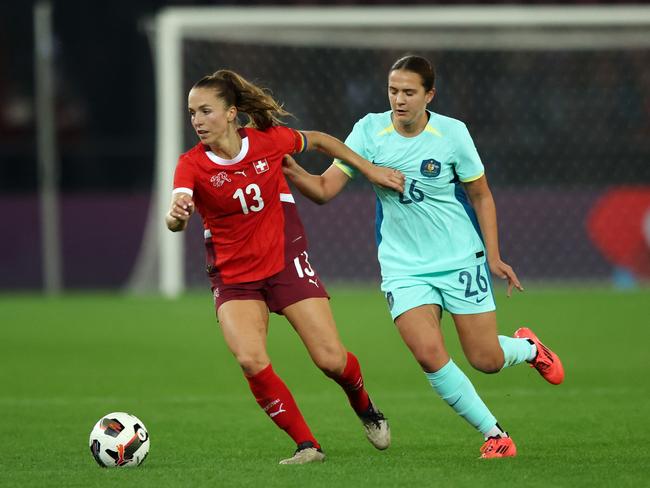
<point x="465" y="278"/>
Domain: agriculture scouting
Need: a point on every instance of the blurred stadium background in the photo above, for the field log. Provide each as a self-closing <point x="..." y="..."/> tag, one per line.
<point x="563" y="129"/>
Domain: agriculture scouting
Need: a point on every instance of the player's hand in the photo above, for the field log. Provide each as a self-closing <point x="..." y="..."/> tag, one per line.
<point x="386" y="178"/>
<point x="182" y="207"/>
<point x="290" y="167"/>
<point x="505" y="272"/>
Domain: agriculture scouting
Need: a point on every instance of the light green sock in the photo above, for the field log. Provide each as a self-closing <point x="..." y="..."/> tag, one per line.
<point x="516" y="351"/>
<point x="456" y="389"/>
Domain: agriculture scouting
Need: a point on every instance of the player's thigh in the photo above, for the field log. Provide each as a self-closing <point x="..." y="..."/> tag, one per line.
<point x="313" y="321"/>
<point x="244" y="324"/>
<point x="420" y="330"/>
<point x="479" y="340"/>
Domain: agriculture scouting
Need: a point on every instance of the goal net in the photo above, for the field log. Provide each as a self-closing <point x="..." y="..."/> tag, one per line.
<point x="556" y="99"/>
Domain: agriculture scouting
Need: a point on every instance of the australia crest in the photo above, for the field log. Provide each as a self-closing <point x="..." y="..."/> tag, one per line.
<point x="430" y="168"/>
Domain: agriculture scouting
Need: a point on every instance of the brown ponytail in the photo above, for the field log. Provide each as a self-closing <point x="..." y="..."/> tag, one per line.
<point x="257" y="103"/>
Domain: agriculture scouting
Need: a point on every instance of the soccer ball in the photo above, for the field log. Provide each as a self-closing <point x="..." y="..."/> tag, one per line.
<point x="119" y="440"/>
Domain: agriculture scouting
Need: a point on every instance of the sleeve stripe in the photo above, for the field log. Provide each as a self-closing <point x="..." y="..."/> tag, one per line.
<point x="343" y="167"/>
<point x="473" y="178"/>
<point x="189" y="191"/>
<point x="303" y="142"/>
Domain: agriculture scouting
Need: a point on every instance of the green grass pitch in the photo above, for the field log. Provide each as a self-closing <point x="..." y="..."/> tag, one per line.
<point x="66" y="362"/>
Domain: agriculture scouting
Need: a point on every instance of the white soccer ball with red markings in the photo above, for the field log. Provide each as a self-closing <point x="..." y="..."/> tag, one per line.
<point x="119" y="440"/>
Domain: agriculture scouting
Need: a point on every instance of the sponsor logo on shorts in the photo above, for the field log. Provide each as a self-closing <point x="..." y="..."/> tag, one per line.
<point x="390" y="300"/>
<point x="479" y="300"/>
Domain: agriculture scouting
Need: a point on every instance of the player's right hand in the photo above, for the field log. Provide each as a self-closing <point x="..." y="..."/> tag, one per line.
<point x="182" y="207"/>
<point x="387" y="178"/>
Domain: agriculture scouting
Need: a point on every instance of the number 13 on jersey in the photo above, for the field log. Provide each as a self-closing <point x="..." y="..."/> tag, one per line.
<point x="257" y="197"/>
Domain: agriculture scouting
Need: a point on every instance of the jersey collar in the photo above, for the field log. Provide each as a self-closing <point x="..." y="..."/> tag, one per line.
<point x="229" y="162"/>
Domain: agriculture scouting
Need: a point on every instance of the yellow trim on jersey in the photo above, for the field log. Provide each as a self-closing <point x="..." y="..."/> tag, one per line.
<point x="391" y="128"/>
<point x="386" y="130"/>
<point x="343" y="167"/>
<point x="473" y="178"/>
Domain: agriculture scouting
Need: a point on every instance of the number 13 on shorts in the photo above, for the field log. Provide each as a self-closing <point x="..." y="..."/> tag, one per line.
<point x="303" y="269"/>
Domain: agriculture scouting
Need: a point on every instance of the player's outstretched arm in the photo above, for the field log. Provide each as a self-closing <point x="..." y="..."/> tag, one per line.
<point x="481" y="197"/>
<point x="182" y="208"/>
<point x="318" y="188"/>
<point x="377" y="175"/>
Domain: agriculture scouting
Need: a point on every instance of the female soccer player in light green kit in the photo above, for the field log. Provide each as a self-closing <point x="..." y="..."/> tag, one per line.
<point x="437" y="244"/>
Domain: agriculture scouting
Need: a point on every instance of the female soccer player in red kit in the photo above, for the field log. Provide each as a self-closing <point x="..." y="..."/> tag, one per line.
<point x="257" y="249"/>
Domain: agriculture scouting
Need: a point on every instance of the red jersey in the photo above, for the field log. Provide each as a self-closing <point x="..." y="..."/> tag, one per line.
<point x="241" y="202"/>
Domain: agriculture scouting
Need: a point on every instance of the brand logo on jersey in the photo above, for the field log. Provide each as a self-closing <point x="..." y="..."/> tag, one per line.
<point x="430" y="168"/>
<point x="390" y="300"/>
<point x="261" y="166"/>
<point x="219" y="179"/>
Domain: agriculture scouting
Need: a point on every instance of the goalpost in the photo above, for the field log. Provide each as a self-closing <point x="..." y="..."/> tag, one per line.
<point x="270" y="31"/>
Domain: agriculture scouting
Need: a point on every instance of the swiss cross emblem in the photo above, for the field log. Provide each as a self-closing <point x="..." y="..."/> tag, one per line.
<point x="261" y="166"/>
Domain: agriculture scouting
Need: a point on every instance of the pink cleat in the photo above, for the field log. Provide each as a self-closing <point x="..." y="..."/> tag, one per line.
<point x="498" y="447"/>
<point x="547" y="363"/>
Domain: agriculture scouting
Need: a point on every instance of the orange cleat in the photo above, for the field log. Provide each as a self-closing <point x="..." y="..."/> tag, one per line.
<point x="498" y="447"/>
<point x="546" y="362"/>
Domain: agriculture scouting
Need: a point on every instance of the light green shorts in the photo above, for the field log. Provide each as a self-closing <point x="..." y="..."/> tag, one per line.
<point x="462" y="291"/>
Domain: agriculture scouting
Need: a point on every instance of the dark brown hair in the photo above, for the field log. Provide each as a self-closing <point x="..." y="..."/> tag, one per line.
<point x="257" y="103"/>
<point x="419" y="65"/>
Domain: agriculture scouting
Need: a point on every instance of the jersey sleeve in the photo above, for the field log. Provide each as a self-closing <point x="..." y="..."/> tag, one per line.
<point x="288" y="140"/>
<point x="356" y="141"/>
<point x="184" y="176"/>
<point x="467" y="162"/>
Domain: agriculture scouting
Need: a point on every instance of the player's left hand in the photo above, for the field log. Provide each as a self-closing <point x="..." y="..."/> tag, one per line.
<point x="505" y="272"/>
<point x="386" y="178"/>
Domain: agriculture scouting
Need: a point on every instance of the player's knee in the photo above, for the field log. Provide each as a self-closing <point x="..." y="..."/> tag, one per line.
<point x="331" y="362"/>
<point x="487" y="363"/>
<point x="252" y="364"/>
<point x="430" y="358"/>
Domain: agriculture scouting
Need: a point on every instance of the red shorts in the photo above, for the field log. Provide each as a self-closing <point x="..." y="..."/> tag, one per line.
<point x="297" y="281"/>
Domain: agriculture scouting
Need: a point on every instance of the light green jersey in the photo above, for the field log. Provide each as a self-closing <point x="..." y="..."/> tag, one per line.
<point x="431" y="227"/>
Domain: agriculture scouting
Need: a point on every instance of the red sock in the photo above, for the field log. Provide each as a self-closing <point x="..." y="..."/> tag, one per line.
<point x="276" y="400"/>
<point x="352" y="383"/>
